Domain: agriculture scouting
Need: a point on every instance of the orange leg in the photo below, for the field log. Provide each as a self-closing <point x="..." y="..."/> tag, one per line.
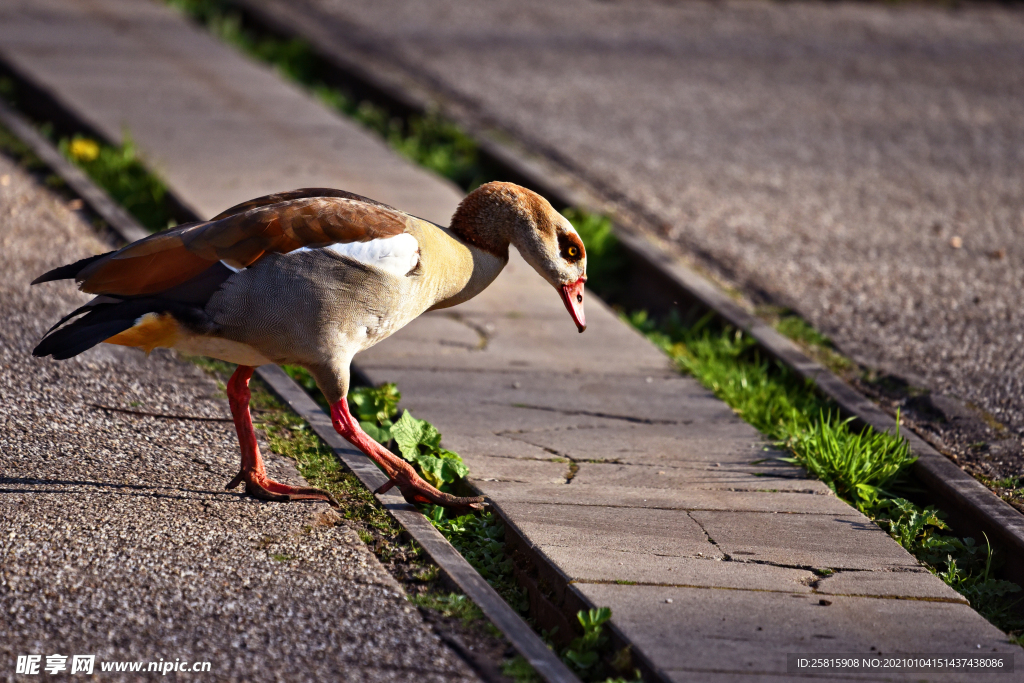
<point x="400" y="473"/>
<point x="257" y="483"/>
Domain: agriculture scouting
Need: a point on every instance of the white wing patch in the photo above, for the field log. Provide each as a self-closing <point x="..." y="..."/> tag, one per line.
<point x="395" y="255"/>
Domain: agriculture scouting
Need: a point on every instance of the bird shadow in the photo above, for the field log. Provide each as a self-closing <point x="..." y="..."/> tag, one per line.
<point x="134" y="490"/>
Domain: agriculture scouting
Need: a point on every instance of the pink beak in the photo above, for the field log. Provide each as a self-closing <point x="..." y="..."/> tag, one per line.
<point x="572" y="297"/>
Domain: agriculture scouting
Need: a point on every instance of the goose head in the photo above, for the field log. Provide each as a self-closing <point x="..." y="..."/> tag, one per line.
<point x="497" y="214"/>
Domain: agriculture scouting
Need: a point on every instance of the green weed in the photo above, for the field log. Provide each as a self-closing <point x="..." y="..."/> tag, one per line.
<point x="860" y="467"/>
<point x="480" y="538"/>
<point x="798" y="329"/>
<point x="814" y="342"/>
<point x="120" y="172"/>
<point x="418" y="441"/>
<point x="451" y="605"/>
<point x="585" y="654"/>
<point x="519" y="670"/>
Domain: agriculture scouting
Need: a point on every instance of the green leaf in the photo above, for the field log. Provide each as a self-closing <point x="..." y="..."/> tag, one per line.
<point x="376" y="404"/>
<point x="432" y="469"/>
<point x="430" y="437"/>
<point x="407" y="433"/>
<point x="581" y="660"/>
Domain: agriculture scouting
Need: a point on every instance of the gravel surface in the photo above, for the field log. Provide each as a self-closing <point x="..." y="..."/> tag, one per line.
<point x="118" y="539"/>
<point x="860" y="163"/>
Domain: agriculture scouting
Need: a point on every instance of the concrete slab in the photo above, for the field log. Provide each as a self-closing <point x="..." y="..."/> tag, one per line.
<point x="517" y="470"/>
<point x="731" y="478"/>
<point x="748" y="632"/>
<point x="914" y="583"/>
<point x="662" y="399"/>
<point x="841" y="541"/>
<point x="623" y="530"/>
<point x="829" y="508"/>
<point x="709" y="442"/>
<point x="601" y="565"/>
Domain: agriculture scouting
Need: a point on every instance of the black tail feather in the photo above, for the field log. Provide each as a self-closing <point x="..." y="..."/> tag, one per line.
<point x="104" y="320"/>
<point x="97" y="302"/>
<point x="78" y="337"/>
<point x="69" y="271"/>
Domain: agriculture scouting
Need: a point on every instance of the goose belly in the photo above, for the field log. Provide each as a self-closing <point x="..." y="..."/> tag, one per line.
<point x="222" y="349"/>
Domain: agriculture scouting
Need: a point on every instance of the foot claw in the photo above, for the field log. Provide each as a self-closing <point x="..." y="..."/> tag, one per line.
<point x="268" y="489"/>
<point x="418" y="491"/>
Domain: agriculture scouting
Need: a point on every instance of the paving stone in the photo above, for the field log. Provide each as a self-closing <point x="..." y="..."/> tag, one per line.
<point x="664" y="399"/>
<point x="517" y="470"/>
<point x="605" y="565"/>
<point x="624" y="530"/>
<point x="808" y="504"/>
<point x="730" y="478"/>
<point x="709" y="442"/>
<point x="738" y="631"/>
<point x="839" y="541"/>
<point x="907" y="583"/>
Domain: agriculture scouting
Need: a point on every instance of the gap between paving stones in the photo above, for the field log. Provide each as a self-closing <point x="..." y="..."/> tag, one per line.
<point x="972" y="507"/>
<point x="452" y="564"/>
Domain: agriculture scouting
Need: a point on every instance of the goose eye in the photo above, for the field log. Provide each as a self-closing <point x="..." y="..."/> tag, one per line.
<point x="570" y="249"/>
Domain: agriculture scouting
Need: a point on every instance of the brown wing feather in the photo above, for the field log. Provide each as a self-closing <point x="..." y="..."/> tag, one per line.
<point x="303" y="193"/>
<point x="170" y="258"/>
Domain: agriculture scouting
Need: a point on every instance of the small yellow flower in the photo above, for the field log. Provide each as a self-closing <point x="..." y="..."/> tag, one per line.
<point x="84" y="149"/>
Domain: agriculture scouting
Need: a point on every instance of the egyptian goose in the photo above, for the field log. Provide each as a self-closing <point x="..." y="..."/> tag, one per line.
<point x="310" y="278"/>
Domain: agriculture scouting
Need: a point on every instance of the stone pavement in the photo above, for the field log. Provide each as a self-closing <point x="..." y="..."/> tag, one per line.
<point x="816" y="155"/>
<point x="118" y="539"/>
<point x="633" y="482"/>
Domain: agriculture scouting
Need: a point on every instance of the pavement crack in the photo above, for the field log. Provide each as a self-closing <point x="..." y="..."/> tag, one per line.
<point x="574" y="466"/>
<point x="726" y="557"/>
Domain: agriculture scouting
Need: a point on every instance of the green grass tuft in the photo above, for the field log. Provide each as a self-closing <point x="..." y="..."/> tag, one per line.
<point x="519" y="670"/>
<point x="451" y="605"/>
<point x="120" y="172"/>
<point x="480" y="538"/>
<point x="860" y="466"/>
